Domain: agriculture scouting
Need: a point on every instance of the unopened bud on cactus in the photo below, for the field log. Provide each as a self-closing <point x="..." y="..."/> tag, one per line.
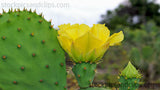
<point x="129" y="78"/>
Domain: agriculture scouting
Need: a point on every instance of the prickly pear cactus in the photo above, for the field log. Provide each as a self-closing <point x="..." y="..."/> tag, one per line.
<point x="31" y="58"/>
<point x="84" y="73"/>
<point x="129" y="78"/>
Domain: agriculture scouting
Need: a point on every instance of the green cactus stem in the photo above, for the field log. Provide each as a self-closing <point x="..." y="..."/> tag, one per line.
<point x="84" y="73"/>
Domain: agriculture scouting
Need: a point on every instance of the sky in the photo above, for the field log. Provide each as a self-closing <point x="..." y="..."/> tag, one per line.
<point x="66" y="11"/>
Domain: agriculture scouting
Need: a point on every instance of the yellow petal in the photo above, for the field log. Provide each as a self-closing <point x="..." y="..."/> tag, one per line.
<point x="68" y="30"/>
<point x="100" y="31"/>
<point x="87" y="42"/>
<point x="65" y="43"/>
<point x="83" y="43"/>
<point x="73" y="31"/>
<point x="116" y="38"/>
<point x="63" y="28"/>
<point x="90" y="56"/>
<point x="99" y="52"/>
<point x="76" y="54"/>
<point x="83" y="29"/>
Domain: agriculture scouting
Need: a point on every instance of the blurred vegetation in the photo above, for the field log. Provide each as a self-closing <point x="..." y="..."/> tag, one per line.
<point x="140" y="22"/>
<point x="141" y="47"/>
<point x="132" y="13"/>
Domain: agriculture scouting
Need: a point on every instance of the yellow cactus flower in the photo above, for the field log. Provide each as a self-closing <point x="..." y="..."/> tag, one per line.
<point x="84" y="43"/>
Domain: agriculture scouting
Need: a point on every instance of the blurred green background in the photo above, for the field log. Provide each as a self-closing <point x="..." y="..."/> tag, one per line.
<point x="140" y="22"/>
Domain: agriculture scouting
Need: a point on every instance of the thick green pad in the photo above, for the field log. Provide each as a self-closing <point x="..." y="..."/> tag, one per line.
<point x="84" y="73"/>
<point x="30" y="55"/>
<point x="128" y="83"/>
<point x="95" y="88"/>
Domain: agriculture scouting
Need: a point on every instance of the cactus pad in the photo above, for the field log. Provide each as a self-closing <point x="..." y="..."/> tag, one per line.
<point x="30" y="55"/>
<point x="84" y="73"/>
